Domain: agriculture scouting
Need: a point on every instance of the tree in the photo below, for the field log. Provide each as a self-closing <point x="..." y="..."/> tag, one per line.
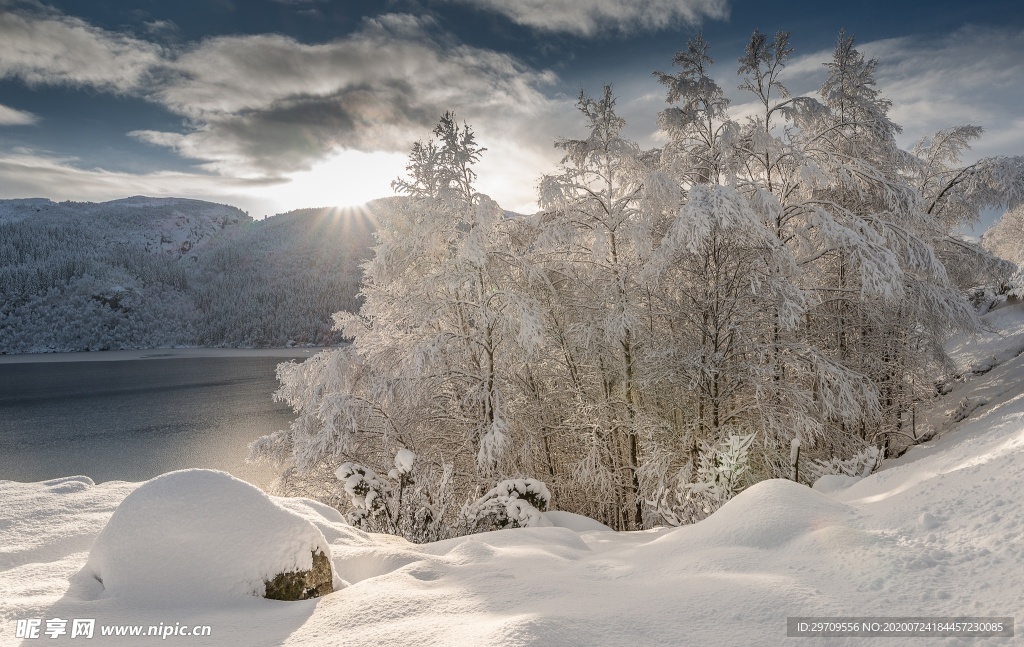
<point x="437" y="345"/>
<point x="594" y="238"/>
<point x="1005" y="238"/>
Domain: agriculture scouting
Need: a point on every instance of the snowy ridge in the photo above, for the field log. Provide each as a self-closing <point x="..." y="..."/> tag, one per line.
<point x="937" y="532"/>
<point x="171" y="225"/>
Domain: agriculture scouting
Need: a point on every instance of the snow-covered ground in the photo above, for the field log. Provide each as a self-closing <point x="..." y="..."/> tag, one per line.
<point x="938" y="532"/>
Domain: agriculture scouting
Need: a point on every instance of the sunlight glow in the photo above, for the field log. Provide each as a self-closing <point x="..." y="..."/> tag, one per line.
<point x="347" y="178"/>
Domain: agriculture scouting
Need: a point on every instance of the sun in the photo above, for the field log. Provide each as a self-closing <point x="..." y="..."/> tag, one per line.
<point x="345" y="179"/>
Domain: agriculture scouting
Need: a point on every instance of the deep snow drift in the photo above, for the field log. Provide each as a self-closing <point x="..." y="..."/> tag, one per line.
<point x="937" y="532"/>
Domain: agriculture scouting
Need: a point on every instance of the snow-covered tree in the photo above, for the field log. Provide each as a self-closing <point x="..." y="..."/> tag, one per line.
<point x="440" y="342"/>
<point x="1005" y="238"/>
<point x="674" y="322"/>
<point x="596" y="234"/>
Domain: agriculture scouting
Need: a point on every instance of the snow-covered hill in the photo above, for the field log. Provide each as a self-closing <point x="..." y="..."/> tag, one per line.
<point x="155" y="272"/>
<point x="937" y="532"/>
<point x="175" y="226"/>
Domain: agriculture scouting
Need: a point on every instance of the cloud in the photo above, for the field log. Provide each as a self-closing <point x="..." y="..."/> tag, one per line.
<point x="589" y="17"/>
<point x="268" y="105"/>
<point x="974" y="75"/>
<point x="42" y="47"/>
<point x="14" y="117"/>
<point x="160" y="26"/>
<point x="267" y="108"/>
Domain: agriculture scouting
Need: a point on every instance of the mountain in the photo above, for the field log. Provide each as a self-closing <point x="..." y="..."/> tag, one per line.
<point x="170" y="225"/>
<point x="155" y="272"/>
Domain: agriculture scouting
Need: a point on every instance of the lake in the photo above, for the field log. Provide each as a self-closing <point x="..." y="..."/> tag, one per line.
<point x="132" y="415"/>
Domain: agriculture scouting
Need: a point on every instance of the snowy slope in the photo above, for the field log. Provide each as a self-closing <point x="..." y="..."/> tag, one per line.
<point x="937" y="532"/>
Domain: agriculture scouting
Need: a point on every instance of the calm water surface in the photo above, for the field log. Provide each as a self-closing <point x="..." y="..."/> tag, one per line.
<point x="134" y="419"/>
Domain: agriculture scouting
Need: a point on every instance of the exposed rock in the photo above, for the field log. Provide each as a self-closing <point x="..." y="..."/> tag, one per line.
<point x="302" y="585"/>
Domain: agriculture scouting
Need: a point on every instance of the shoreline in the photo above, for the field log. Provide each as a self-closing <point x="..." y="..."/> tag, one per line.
<point x="160" y="353"/>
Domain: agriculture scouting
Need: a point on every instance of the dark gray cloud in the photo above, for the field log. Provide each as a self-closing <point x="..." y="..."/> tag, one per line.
<point x="268" y="104"/>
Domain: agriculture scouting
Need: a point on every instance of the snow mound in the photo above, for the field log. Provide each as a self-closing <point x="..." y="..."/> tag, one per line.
<point x="574" y="522"/>
<point x="831" y="483"/>
<point x="69" y="484"/>
<point x="766" y="515"/>
<point x="195" y="534"/>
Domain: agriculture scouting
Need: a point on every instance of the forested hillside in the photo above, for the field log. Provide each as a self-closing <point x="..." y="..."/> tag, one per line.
<point x="144" y="272"/>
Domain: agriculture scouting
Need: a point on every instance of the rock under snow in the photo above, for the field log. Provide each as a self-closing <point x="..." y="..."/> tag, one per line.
<point x="206" y="534"/>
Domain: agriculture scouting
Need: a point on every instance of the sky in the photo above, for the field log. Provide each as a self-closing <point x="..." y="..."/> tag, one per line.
<point x="273" y="105"/>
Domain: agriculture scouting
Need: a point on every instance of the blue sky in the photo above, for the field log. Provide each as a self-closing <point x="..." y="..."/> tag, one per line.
<point x="272" y="105"/>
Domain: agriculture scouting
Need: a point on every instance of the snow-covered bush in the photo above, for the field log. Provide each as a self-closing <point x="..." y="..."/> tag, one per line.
<point x="512" y="503"/>
<point x="722" y="472"/>
<point x="1016" y="284"/>
<point x="860" y="464"/>
<point x="368" y="493"/>
<point x="984" y="297"/>
<point x="406" y="503"/>
<point x="409" y="504"/>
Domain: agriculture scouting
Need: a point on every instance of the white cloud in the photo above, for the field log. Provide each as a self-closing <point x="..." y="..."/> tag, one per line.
<point x="14" y="117"/>
<point x="974" y="75"/>
<point x="588" y="17"/>
<point x="47" y="48"/>
<point x="160" y="26"/>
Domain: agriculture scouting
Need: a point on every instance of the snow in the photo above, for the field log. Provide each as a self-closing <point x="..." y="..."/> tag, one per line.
<point x="573" y="521"/>
<point x="833" y="482"/>
<point x="404" y="460"/>
<point x="195" y="534"/>
<point x="937" y="532"/>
